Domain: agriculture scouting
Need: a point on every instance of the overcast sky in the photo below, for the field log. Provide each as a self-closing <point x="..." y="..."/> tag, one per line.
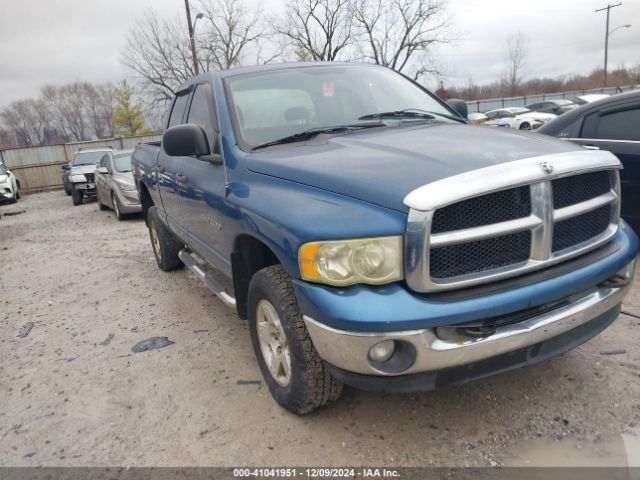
<point x="46" y="41"/>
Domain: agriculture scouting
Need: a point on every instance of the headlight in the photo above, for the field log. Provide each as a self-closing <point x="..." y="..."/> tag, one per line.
<point x="345" y="262"/>
<point x="126" y="187"/>
<point x="77" y="178"/>
<point x="4" y="178"/>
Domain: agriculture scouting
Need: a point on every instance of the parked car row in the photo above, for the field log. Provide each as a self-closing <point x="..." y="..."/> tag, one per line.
<point x="103" y="174"/>
<point x="533" y="115"/>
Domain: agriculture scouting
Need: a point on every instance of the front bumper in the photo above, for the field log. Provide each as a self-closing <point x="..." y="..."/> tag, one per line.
<point x="419" y="382"/>
<point x="438" y="349"/>
<point x="345" y="323"/>
<point x="87" y="188"/>
<point x="129" y="202"/>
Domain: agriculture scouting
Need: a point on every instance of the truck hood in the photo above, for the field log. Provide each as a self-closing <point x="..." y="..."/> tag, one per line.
<point x="79" y="169"/>
<point x="381" y="166"/>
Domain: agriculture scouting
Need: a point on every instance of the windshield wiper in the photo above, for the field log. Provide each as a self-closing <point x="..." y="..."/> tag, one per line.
<point x="413" y="113"/>
<point x="407" y="112"/>
<point x="312" y="132"/>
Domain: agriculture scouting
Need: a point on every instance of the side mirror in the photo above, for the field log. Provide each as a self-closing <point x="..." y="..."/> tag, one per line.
<point x="102" y="170"/>
<point x="459" y="106"/>
<point x="66" y="167"/>
<point x="187" y="140"/>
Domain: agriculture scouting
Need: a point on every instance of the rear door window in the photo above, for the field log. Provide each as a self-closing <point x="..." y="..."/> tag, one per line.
<point x="622" y="125"/>
<point x="177" y="112"/>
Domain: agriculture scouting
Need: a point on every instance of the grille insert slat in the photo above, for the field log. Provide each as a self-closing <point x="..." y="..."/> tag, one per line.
<point x="481" y="255"/>
<point x="578" y="188"/>
<point x="576" y="230"/>
<point x="491" y="208"/>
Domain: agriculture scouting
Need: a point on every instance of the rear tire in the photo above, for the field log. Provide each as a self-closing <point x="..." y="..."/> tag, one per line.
<point x="525" y="126"/>
<point x="308" y="384"/>
<point x="164" y="244"/>
<point x="76" y="196"/>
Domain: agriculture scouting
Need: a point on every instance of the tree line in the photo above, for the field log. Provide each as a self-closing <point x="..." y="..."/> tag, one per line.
<point x="73" y="112"/>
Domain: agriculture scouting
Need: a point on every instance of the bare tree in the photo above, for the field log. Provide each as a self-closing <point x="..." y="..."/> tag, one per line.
<point x="7" y="139"/>
<point x="28" y="120"/>
<point x="55" y="108"/>
<point x="516" y="59"/>
<point x="320" y="30"/>
<point x="232" y="29"/>
<point x="99" y="101"/>
<point x="158" y="51"/>
<point x="401" y="33"/>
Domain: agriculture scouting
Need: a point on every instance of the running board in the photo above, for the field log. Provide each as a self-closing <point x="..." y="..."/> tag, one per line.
<point x="190" y="261"/>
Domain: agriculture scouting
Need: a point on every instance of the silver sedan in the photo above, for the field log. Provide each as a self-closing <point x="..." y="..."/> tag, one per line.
<point x="115" y="187"/>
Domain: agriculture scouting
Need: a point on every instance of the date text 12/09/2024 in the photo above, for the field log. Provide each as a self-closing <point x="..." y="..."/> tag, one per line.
<point x="315" y="472"/>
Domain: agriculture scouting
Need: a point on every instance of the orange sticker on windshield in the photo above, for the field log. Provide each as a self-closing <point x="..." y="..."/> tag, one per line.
<point x="328" y="89"/>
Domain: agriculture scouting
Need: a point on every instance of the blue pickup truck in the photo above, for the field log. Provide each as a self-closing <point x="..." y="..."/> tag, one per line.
<point x="373" y="237"/>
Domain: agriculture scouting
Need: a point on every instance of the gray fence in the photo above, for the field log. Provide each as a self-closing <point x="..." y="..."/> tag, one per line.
<point x="38" y="168"/>
<point x="493" y="103"/>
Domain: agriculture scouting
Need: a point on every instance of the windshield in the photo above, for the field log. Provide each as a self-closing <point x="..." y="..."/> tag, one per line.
<point x="87" y="158"/>
<point x="122" y="163"/>
<point x="271" y="105"/>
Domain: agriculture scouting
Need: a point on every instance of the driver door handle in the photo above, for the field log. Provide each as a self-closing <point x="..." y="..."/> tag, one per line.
<point x="182" y="178"/>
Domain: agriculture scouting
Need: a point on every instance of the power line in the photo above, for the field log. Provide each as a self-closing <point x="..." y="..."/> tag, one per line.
<point x="606" y="38"/>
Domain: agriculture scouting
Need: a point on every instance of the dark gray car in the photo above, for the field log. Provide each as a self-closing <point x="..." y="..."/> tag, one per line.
<point x="611" y="124"/>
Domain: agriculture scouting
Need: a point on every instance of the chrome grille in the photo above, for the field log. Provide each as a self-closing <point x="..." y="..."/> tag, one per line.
<point x="549" y="217"/>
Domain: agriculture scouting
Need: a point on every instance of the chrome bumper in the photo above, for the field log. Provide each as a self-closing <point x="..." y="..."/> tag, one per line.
<point x="350" y="350"/>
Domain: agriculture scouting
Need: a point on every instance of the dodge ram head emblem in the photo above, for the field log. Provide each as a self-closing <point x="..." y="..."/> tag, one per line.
<point x="547" y="168"/>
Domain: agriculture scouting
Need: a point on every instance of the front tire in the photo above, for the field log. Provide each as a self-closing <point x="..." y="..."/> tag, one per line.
<point x="76" y="196"/>
<point x="165" y="245"/>
<point x="525" y="126"/>
<point x="116" y="207"/>
<point x="297" y="377"/>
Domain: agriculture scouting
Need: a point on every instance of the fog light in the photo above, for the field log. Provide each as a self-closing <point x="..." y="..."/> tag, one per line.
<point x="383" y="351"/>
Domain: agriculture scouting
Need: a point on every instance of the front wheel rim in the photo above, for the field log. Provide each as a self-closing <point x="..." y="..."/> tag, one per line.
<point x="274" y="345"/>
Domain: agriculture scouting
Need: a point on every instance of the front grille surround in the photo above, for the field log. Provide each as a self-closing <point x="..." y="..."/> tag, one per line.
<point x="545" y="249"/>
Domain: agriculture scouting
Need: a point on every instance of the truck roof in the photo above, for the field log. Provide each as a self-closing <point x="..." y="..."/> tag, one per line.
<point x="265" y="68"/>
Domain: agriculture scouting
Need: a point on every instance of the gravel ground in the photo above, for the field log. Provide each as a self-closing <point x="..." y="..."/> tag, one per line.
<point x="69" y="397"/>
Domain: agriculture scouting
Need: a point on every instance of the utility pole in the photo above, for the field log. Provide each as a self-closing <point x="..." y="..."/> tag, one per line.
<point x="193" y="40"/>
<point x="606" y="38"/>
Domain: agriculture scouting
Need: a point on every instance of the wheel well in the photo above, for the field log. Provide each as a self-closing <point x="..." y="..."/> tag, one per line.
<point x="249" y="256"/>
<point x="145" y="200"/>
